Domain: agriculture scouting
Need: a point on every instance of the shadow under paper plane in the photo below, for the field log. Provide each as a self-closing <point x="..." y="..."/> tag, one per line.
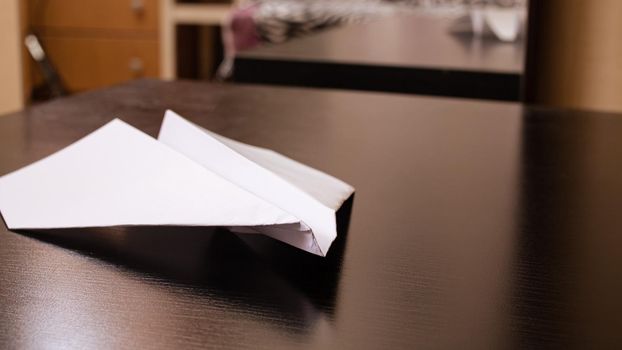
<point x="257" y="270"/>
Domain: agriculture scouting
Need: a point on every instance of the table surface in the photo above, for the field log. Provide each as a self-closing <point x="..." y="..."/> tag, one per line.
<point x="414" y="40"/>
<point x="474" y="225"/>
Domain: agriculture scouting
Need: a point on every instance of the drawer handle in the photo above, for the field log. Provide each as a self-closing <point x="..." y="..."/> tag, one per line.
<point x="136" y="65"/>
<point x="137" y="6"/>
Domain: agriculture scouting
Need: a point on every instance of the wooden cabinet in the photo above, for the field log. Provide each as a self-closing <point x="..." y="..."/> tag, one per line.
<point x="96" y="43"/>
<point x="133" y="15"/>
<point x="88" y="63"/>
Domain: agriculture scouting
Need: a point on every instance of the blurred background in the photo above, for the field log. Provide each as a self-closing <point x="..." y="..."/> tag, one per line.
<point x="53" y="48"/>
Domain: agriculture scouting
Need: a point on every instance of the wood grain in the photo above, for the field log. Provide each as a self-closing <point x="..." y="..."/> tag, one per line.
<point x="474" y="225"/>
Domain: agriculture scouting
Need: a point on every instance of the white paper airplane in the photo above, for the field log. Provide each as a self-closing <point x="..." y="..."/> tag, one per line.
<point x="504" y="24"/>
<point x="119" y="176"/>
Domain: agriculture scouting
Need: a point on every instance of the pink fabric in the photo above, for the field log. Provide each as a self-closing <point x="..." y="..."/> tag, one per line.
<point x="243" y="27"/>
<point x="238" y="33"/>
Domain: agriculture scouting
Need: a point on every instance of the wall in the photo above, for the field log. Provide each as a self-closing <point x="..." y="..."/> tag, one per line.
<point x="11" y="81"/>
<point x="574" y="56"/>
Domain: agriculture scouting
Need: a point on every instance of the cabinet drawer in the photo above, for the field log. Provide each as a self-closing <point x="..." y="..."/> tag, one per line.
<point x="85" y="64"/>
<point x="95" y="14"/>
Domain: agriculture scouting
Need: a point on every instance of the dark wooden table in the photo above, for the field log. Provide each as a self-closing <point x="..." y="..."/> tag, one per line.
<point x="406" y="54"/>
<point x="479" y="225"/>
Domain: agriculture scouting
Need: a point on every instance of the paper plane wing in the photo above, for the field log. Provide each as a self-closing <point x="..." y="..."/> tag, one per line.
<point x="118" y="175"/>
